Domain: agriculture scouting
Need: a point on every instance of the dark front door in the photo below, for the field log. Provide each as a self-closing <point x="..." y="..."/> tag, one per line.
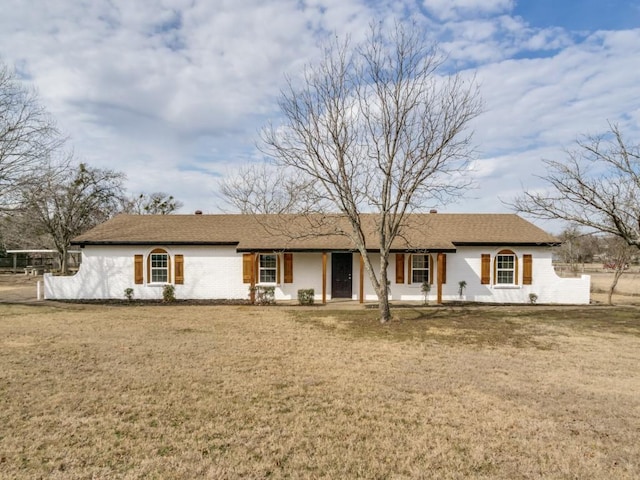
<point x="341" y="268"/>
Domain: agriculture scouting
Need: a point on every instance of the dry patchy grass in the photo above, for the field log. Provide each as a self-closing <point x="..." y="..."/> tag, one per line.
<point x="627" y="291"/>
<point x="91" y="391"/>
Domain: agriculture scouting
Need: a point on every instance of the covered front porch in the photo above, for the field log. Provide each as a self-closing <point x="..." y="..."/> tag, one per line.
<point x="341" y="276"/>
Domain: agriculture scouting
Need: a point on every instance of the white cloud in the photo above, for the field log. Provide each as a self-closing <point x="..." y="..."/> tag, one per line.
<point x="173" y="92"/>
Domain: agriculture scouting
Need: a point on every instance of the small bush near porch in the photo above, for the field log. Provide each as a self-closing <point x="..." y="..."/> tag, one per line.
<point x="90" y="391"/>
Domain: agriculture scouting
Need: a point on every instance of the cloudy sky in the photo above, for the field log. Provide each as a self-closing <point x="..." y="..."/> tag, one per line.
<point x="174" y="92"/>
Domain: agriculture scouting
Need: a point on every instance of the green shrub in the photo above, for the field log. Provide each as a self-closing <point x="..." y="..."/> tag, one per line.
<point x="533" y="298"/>
<point x="169" y="293"/>
<point x="306" y="296"/>
<point x="128" y="293"/>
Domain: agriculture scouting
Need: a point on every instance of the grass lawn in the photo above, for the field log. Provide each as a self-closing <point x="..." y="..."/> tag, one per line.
<point x="90" y="391"/>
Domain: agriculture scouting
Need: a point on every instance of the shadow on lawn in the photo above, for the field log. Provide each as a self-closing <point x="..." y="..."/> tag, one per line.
<point x="484" y="326"/>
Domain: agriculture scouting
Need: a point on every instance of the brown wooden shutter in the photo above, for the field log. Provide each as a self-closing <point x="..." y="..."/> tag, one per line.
<point x="179" y="259"/>
<point x="430" y="259"/>
<point x="410" y="270"/>
<point x="288" y="268"/>
<point x="527" y="269"/>
<point x="485" y="275"/>
<point x="444" y="267"/>
<point x="247" y="267"/>
<point x="399" y="267"/>
<point x="138" y="262"/>
<point x="277" y="269"/>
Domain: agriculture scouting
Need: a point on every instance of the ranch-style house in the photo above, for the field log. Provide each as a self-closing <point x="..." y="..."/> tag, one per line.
<point x="502" y="258"/>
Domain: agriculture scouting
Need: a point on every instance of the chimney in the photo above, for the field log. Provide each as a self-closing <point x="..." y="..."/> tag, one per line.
<point x="198" y="212"/>
<point x="433" y="210"/>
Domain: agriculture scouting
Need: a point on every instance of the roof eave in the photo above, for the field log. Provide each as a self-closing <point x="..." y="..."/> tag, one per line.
<point x="83" y="243"/>
<point x="515" y="244"/>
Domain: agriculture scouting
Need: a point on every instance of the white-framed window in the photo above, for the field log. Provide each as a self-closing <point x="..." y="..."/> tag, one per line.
<point x="505" y="269"/>
<point x="420" y="268"/>
<point x="267" y="268"/>
<point x="159" y="267"/>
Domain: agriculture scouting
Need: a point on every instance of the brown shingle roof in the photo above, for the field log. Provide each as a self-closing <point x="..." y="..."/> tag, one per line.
<point x="277" y="232"/>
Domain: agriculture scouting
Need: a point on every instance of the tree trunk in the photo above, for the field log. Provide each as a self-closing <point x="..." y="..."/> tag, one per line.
<point x="64" y="264"/>
<point x="617" y="273"/>
<point x="383" y="291"/>
<point x="385" y="310"/>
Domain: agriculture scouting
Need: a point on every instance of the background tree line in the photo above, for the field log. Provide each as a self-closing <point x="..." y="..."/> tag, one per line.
<point x="48" y="196"/>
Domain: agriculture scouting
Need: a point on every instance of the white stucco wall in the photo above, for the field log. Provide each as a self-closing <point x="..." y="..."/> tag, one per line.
<point x="465" y="265"/>
<point x="210" y="273"/>
<point x="216" y="273"/>
<point x="105" y="272"/>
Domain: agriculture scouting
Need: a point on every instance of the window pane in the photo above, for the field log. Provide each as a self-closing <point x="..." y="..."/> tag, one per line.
<point x="159" y="275"/>
<point x="505" y="269"/>
<point x="419" y="268"/>
<point x="267" y="269"/>
<point x="420" y="261"/>
<point x="159" y="268"/>
<point x="268" y="261"/>
<point x="505" y="261"/>
<point x="158" y="260"/>
<point x="267" y="276"/>
<point x="505" y="276"/>
<point x="419" y="276"/>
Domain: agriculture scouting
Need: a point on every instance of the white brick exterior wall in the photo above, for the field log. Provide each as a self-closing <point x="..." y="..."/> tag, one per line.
<point x="216" y="273"/>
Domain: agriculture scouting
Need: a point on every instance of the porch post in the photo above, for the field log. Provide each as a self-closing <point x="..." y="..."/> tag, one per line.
<point x="252" y="295"/>
<point x="324" y="277"/>
<point x="361" y="293"/>
<point x="440" y="276"/>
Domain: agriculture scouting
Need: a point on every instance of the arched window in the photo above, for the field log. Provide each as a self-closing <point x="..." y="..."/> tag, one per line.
<point x="505" y="269"/>
<point x="158" y="266"/>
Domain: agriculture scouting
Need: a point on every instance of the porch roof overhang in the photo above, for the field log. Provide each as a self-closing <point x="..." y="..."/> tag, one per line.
<point x="507" y="244"/>
<point x="354" y="250"/>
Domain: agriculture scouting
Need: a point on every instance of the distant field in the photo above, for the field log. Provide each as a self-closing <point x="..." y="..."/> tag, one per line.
<point x="628" y="288"/>
<point x="90" y="391"/>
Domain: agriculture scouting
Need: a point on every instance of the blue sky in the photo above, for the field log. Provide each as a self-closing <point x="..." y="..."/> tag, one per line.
<point x="174" y="92"/>
<point x="587" y="15"/>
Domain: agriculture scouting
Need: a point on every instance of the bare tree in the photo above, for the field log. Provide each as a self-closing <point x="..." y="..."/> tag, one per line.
<point x="156" y="203"/>
<point x="577" y="247"/>
<point x="597" y="187"/>
<point x="375" y="127"/>
<point x="266" y="188"/>
<point x="617" y="257"/>
<point x="68" y="204"/>
<point x="27" y="138"/>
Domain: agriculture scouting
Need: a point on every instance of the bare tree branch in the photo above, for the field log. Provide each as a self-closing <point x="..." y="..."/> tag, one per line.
<point x="68" y="203"/>
<point x="156" y="203"/>
<point x="265" y="188"/>
<point x="597" y="186"/>
<point x="376" y="128"/>
<point x="28" y="136"/>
